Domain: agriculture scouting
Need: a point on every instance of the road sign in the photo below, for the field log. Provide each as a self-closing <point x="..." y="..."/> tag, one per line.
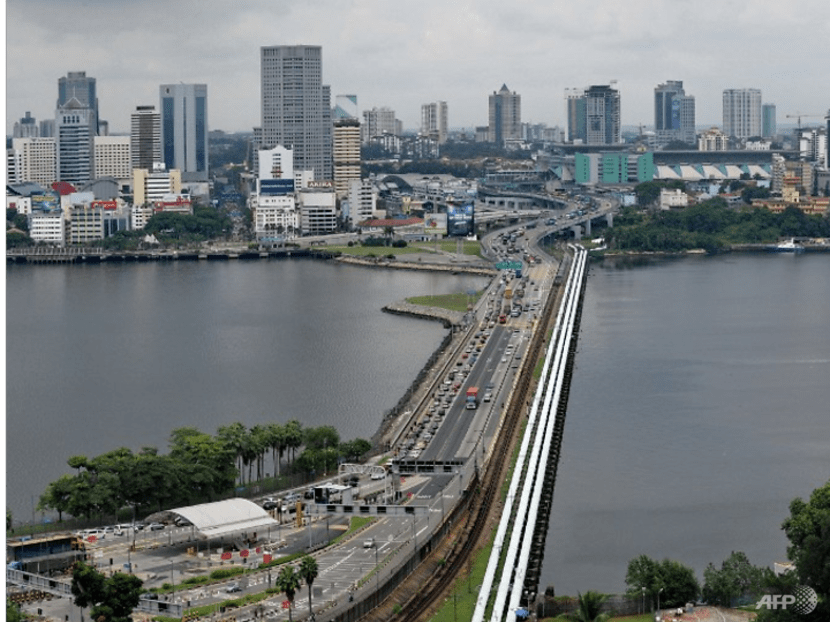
<point x="509" y="265"/>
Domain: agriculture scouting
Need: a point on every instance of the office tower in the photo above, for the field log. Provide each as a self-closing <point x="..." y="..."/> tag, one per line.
<point x="296" y="108"/>
<point x="184" y="129"/>
<point x="75" y="128"/>
<point x="434" y="121"/>
<point x="505" y="118"/>
<point x="77" y="86"/>
<point x="145" y="137"/>
<point x="112" y="157"/>
<point x="674" y="114"/>
<point x="26" y="127"/>
<point x="35" y="160"/>
<point x="742" y="113"/>
<point x="575" y="111"/>
<point x="602" y="116"/>
<point x="380" y="122"/>
<point x="346" y="153"/>
<point x="769" y="126"/>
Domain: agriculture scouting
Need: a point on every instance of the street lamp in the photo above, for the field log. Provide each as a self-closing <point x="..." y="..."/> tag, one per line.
<point x="658" y="603"/>
<point x="643" y="607"/>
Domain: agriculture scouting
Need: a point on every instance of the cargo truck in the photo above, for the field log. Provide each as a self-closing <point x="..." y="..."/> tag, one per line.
<point x="472" y="398"/>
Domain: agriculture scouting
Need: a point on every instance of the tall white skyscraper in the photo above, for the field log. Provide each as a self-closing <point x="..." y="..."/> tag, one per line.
<point x="742" y="113"/>
<point x="184" y="129"/>
<point x="296" y="106"/>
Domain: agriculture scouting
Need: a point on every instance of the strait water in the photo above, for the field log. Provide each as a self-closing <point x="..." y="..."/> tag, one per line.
<point x="699" y="408"/>
<point x="104" y="356"/>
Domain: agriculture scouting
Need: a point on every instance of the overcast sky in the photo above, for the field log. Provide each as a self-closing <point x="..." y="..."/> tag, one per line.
<point x="404" y="53"/>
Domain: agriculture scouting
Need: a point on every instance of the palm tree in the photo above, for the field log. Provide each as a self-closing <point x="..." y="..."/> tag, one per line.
<point x="276" y="441"/>
<point x="308" y="572"/>
<point x="590" y="605"/>
<point x="293" y="437"/>
<point x="288" y="581"/>
<point x="233" y="436"/>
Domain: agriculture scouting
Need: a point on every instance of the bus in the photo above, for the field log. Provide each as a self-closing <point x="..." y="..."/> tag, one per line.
<point x="45" y="555"/>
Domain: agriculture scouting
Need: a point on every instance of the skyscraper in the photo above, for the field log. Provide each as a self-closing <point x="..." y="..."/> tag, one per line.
<point x="145" y="137"/>
<point x="75" y="129"/>
<point x="296" y="106"/>
<point x="26" y="127"/>
<point x="505" y="118"/>
<point x="577" y="124"/>
<point x="742" y="113"/>
<point x="602" y="116"/>
<point x="184" y="129"/>
<point x="346" y="154"/>
<point x="434" y="121"/>
<point x="674" y="114"/>
<point x="77" y="86"/>
<point x="769" y="126"/>
<point x="594" y="115"/>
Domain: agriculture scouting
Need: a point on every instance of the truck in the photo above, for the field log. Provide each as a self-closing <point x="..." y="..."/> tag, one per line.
<point x="472" y="398"/>
<point x="508" y="293"/>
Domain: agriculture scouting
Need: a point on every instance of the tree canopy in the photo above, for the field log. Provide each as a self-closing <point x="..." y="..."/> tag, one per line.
<point x="112" y="599"/>
<point x="677" y="582"/>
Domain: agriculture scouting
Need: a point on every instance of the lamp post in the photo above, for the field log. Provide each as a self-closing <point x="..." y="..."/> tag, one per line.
<point x="658" y="604"/>
<point x="643" y="607"/>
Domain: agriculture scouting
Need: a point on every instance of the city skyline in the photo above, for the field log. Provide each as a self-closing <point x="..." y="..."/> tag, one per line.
<point x="404" y="58"/>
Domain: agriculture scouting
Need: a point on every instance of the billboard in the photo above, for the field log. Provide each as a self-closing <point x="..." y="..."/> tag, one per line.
<point x="276" y="187"/>
<point x="45" y="202"/>
<point x="460" y="220"/>
<point x="435" y="224"/>
<point x="105" y="204"/>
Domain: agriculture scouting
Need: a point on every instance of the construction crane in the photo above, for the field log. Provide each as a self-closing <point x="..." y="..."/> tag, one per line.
<point x="798" y="116"/>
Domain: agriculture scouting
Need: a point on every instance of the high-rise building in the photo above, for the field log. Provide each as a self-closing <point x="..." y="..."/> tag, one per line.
<point x="112" y="157"/>
<point x="742" y="113"/>
<point x="184" y="129"/>
<point x="35" y="160"/>
<point x="380" y="122"/>
<point x="575" y="112"/>
<point x="434" y="121"/>
<point x="346" y="155"/>
<point x="296" y="106"/>
<point x="145" y="137"/>
<point x="345" y="107"/>
<point x="505" y="118"/>
<point x="769" y="126"/>
<point x="76" y="85"/>
<point x="602" y="116"/>
<point x="674" y="114"/>
<point x="75" y="129"/>
<point x="26" y="127"/>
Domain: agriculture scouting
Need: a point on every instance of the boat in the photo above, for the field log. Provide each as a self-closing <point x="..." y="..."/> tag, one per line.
<point x="787" y="246"/>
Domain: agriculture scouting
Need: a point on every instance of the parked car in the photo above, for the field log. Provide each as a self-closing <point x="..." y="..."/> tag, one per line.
<point x="269" y="504"/>
<point x="233" y="587"/>
<point x="155" y="526"/>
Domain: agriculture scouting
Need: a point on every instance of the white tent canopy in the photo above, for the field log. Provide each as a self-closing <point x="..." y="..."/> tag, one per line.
<point x="223" y="518"/>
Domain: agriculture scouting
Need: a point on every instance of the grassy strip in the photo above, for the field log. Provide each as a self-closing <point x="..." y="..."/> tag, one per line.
<point x="453" y="302"/>
<point x="468" y="247"/>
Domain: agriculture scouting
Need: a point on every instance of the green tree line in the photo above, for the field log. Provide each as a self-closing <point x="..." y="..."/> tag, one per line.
<point x="712" y="226"/>
<point x="199" y="468"/>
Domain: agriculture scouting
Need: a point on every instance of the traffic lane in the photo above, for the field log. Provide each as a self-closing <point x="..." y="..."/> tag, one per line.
<point x="450" y="438"/>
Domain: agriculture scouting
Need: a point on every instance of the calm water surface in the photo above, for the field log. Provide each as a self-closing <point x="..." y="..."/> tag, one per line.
<point x="100" y="357"/>
<point x="700" y="407"/>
